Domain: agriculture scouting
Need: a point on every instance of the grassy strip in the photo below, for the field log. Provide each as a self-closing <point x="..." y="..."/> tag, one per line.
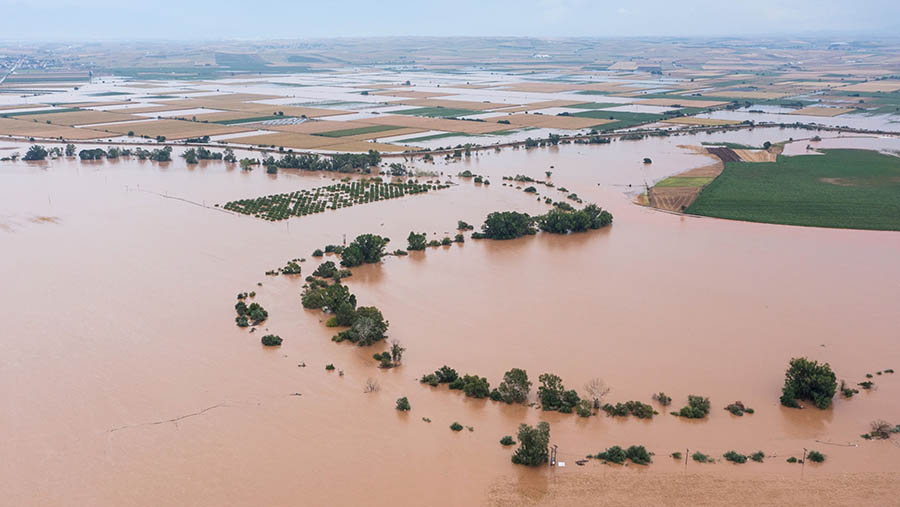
<point x="108" y="94"/>
<point x="733" y="146"/>
<point x="684" y="181"/>
<point x="358" y="131"/>
<point x="438" y="112"/>
<point x="855" y="189"/>
<point x="42" y="111"/>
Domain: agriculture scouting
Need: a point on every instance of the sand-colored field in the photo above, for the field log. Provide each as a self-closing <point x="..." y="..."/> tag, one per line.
<point x="534" y="106"/>
<point x="623" y="66"/>
<point x="319" y="126"/>
<point x="690" y="120"/>
<point x="551" y="121"/>
<point x="174" y="129"/>
<point x="541" y="87"/>
<point x="757" y="155"/>
<point x="23" y="106"/>
<point x="443" y="124"/>
<point x="382" y="134"/>
<point x="154" y="109"/>
<point x="225" y="116"/>
<point x="682" y="103"/>
<point x="254" y="107"/>
<point x="677" y="192"/>
<point x="886" y="85"/>
<point x="456" y="104"/>
<point x="410" y="94"/>
<point x="28" y="128"/>
<point x="738" y="94"/>
<point x="83" y="117"/>
<point x="363" y="146"/>
<point x="822" y="111"/>
<point x="288" y="140"/>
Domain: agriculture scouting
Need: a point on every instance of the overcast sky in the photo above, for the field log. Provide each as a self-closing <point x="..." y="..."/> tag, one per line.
<point x="266" y="19"/>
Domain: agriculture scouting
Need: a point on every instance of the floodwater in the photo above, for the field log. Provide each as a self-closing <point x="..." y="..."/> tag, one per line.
<point x="124" y="380"/>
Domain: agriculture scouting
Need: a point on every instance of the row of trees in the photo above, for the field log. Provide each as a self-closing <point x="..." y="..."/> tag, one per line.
<point x="341" y="162"/>
<point x="560" y="220"/>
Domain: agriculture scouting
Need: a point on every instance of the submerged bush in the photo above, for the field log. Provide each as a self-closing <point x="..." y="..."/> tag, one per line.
<point x="614" y="454"/>
<point x="506" y="225"/>
<point x="507" y="440"/>
<point x="533" y="445"/>
<point x="815" y="456"/>
<point x="662" y="399"/>
<point x="403" y="404"/>
<point x="271" y="340"/>
<point x="456" y="426"/>
<point x="697" y="407"/>
<point x="699" y="457"/>
<point x="758" y="456"/>
<point x="737" y="408"/>
<point x="808" y="380"/>
<point x="636" y="408"/>
<point x="735" y="457"/>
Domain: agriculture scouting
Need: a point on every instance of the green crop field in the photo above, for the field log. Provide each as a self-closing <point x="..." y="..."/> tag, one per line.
<point x="438" y="112"/>
<point x="684" y="181"/>
<point x="358" y="131"/>
<point x="622" y="119"/>
<point x="855" y="189"/>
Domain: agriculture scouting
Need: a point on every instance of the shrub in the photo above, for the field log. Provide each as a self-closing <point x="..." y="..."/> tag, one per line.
<point x="737" y="408"/>
<point x="271" y="340"/>
<point x="430" y="379"/>
<point x="638" y="455"/>
<point x="329" y="367"/>
<point x="699" y="457"/>
<point x="792" y="460"/>
<point x="463" y="226"/>
<point x="815" y="456"/>
<point x="676" y="455"/>
<point x="636" y="408"/>
<point x="614" y="454"/>
<point x="662" y="399"/>
<point x="697" y="407"/>
<point x="866" y="385"/>
<point x="475" y="386"/>
<point x="415" y="241"/>
<point x="735" y="457"/>
<point x="241" y="321"/>
<point x="758" y="456"/>
<point x="459" y="238"/>
<point x="446" y="241"/>
<point x="847" y="392"/>
<point x="403" y="404"/>
<point x="446" y="374"/>
<point x="456" y="426"/>
<point x="533" y="445"/>
<point x="365" y="249"/>
<point x="507" y="440"/>
<point x="881" y="429"/>
<point x="552" y="394"/>
<point x="584" y="408"/>
<point x="808" y="380"/>
<point x="506" y="225"/>
<point x="325" y="270"/>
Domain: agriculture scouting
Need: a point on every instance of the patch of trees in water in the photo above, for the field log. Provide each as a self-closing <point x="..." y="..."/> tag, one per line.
<point x="513" y="224"/>
<point x="317" y="200"/>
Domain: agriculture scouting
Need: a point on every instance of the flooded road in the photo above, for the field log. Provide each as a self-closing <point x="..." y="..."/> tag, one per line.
<point x="125" y="381"/>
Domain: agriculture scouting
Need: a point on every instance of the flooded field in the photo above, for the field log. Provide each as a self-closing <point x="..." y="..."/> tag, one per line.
<point x="125" y="381"/>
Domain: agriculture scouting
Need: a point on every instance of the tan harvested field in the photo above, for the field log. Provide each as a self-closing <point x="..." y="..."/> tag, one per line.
<point x="363" y="146"/>
<point x="23" y="106"/>
<point x="737" y="94"/>
<point x="551" y="121"/>
<point x="534" y="106"/>
<point x="673" y="198"/>
<point x="874" y="86"/>
<point x="623" y="66"/>
<point x="319" y="126"/>
<point x="254" y="107"/>
<point x="690" y="120"/>
<point x="174" y="129"/>
<point x="94" y="104"/>
<point x="223" y="116"/>
<point x="382" y="134"/>
<point x="540" y="87"/>
<point x="814" y="85"/>
<point x="456" y="104"/>
<point x="84" y="117"/>
<point x="756" y="155"/>
<point x="682" y="103"/>
<point x="155" y="109"/>
<point x="11" y="127"/>
<point x="288" y="140"/>
<point x="822" y="111"/>
<point x="410" y="94"/>
<point x="443" y="124"/>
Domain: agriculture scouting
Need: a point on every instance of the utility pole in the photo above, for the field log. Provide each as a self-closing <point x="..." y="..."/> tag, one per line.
<point x="553" y="456"/>
<point x="686" y="452"/>
<point x="803" y="463"/>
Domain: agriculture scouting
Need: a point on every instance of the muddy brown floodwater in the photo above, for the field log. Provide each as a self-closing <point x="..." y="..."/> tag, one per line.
<point x="124" y="380"/>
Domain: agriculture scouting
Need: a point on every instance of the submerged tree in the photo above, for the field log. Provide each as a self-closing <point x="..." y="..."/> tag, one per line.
<point x="808" y="380"/>
<point x="515" y="386"/>
<point x="533" y="445"/>
<point x="596" y="390"/>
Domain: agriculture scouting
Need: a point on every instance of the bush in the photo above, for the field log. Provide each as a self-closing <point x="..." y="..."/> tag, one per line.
<point x="638" y="455"/>
<point x="808" y="380"/>
<point x="415" y="241"/>
<point x="552" y="394"/>
<point x="699" y="457"/>
<point x="758" y="456"/>
<point x="697" y="407"/>
<point x="475" y="386"/>
<point x="459" y="238"/>
<point x="446" y="241"/>
<point x="636" y="408"/>
<point x="456" y="426"/>
<point x="564" y="219"/>
<point x="737" y="408"/>
<point x="792" y="460"/>
<point x="329" y="367"/>
<point x="507" y="440"/>
<point x="735" y="457"/>
<point x="584" y="408"/>
<point x="403" y="404"/>
<point x="430" y="379"/>
<point x="446" y="374"/>
<point x="271" y="340"/>
<point x="662" y="399"/>
<point x="365" y="249"/>
<point x="325" y="270"/>
<point x="533" y="445"/>
<point x="463" y="226"/>
<point x="241" y="321"/>
<point x="815" y="456"/>
<point x="317" y="253"/>
<point x="676" y="455"/>
<point x="614" y="454"/>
